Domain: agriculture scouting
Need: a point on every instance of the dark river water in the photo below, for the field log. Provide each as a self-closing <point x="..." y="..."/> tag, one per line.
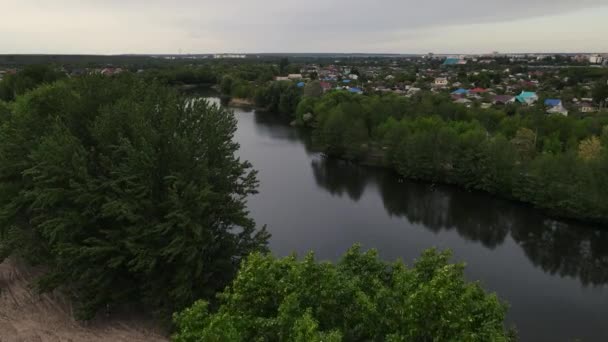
<point x="553" y="274"/>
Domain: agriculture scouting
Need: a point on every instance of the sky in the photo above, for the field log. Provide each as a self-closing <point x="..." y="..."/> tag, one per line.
<point x="289" y="26"/>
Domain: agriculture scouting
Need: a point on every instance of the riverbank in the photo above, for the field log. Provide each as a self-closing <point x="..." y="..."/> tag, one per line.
<point x="241" y="102"/>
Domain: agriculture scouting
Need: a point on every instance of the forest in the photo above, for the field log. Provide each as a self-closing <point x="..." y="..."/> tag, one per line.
<point x="130" y="194"/>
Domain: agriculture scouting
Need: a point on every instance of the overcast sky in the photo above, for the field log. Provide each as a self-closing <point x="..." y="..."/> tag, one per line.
<point x="379" y="26"/>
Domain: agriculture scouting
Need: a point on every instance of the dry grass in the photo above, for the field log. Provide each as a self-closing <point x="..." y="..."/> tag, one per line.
<point x="26" y="316"/>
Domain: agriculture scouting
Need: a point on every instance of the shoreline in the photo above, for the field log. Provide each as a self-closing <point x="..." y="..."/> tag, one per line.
<point x="377" y="159"/>
<point x="241" y="102"/>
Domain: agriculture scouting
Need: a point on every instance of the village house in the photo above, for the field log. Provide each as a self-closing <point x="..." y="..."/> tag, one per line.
<point x="555" y="106"/>
<point x="441" y="82"/>
<point x="596" y="59"/>
<point x="586" y="107"/>
<point x="464" y="101"/>
<point x="294" y="76"/>
<point x="503" y="99"/>
<point x="460" y="91"/>
<point x="326" y="86"/>
<point x="527" y="97"/>
<point x="110" y="71"/>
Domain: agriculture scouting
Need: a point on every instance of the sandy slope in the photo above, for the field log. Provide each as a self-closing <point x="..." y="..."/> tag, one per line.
<point x="26" y="316"/>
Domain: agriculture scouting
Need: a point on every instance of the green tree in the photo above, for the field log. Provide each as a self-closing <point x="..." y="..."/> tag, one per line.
<point x="600" y="91"/>
<point x="126" y="192"/>
<point x="288" y="100"/>
<point x="226" y="85"/>
<point x="358" y="299"/>
<point x="27" y="79"/>
<point x="525" y="143"/>
<point x="283" y="64"/>
<point x="590" y="148"/>
<point x="313" y="89"/>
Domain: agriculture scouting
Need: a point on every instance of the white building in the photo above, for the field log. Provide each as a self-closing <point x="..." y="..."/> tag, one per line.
<point x="295" y="76"/>
<point x="441" y="82"/>
<point x="596" y="59"/>
<point x="228" y="55"/>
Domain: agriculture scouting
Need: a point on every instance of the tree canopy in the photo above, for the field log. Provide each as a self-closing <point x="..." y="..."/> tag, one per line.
<point x="27" y="79"/>
<point x="126" y="191"/>
<point x="361" y="298"/>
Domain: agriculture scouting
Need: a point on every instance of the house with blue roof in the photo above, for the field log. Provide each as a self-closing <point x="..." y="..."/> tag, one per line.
<point x="451" y="61"/>
<point x="555" y="106"/>
<point x="460" y="91"/>
<point x="300" y="84"/>
<point x="355" y="90"/>
<point x="527" y="97"/>
<point x="553" y="102"/>
<point x="345" y="81"/>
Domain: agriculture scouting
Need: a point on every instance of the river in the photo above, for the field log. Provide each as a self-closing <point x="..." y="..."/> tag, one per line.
<point x="553" y="274"/>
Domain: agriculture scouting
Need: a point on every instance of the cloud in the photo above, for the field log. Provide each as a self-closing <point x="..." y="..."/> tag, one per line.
<point x="155" y="26"/>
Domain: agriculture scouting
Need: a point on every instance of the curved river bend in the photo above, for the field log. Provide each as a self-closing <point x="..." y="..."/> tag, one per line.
<point x="553" y="274"/>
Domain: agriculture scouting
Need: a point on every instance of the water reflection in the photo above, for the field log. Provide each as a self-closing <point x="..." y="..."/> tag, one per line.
<point x="565" y="249"/>
<point x="559" y="248"/>
<point x="339" y="177"/>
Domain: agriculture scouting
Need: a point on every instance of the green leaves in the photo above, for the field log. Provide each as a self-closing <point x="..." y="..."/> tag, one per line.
<point x="361" y="298"/>
<point x="128" y="191"/>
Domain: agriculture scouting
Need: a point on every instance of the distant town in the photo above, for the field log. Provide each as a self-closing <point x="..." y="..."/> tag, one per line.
<point x="485" y="80"/>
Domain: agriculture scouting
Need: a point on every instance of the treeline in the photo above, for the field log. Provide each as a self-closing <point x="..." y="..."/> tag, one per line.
<point x="185" y="75"/>
<point x="553" y="162"/>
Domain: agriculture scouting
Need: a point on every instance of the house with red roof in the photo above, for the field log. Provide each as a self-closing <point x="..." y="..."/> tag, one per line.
<point x="326" y="86"/>
<point x="478" y="91"/>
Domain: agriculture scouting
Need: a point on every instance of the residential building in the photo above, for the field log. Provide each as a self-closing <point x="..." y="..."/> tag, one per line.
<point x="454" y="61"/>
<point x="460" y="91"/>
<point x="503" y="99"/>
<point x="596" y="59"/>
<point x="463" y="101"/>
<point x="326" y="86"/>
<point x="441" y="82"/>
<point x="478" y="91"/>
<point x="555" y="106"/>
<point x="553" y="102"/>
<point x="586" y="107"/>
<point x="527" y="97"/>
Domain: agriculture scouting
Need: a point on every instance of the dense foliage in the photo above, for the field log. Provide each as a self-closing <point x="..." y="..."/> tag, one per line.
<point x="126" y="191"/>
<point x="358" y="299"/>
<point x="27" y="79"/>
<point x="554" y="162"/>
